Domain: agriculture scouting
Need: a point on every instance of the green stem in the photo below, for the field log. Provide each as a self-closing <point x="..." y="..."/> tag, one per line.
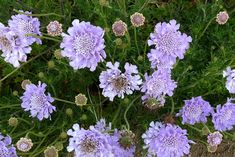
<point x="143" y="6"/>
<point x="125" y="113"/>
<point x="206" y="127"/>
<point x="128" y="39"/>
<point x="204" y="30"/>
<point x="47" y="14"/>
<point x="172" y="106"/>
<point x="136" y="44"/>
<point x="198" y="130"/>
<point x="43" y="37"/>
<point x="65" y="101"/>
<point x="15" y="70"/>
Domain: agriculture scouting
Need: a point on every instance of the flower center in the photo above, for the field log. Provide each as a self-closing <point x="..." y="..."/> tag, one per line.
<point x="24" y="146"/>
<point x="53" y="27"/>
<point x="26" y="26"/>
<point x="194" y="112"/>
<point x="88" y="145"/>
<point x="83" y="44"/>
<point x="156" y="86"/>
<point x="5" y="43"/>
<point x="168" y="42"/>
<point x="120" y="82"/>
<point x="170" y="142"/>
<point x="37" y="101"/>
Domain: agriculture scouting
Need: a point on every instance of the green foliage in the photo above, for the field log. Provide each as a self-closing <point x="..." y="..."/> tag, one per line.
<point x="199" y="73"/>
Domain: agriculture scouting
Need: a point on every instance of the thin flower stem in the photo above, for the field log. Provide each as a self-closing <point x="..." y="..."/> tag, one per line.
<point x="198" y="130"/>
<point x="172" y="106"/>
<point x="65" y="101"/>
<point x="136" y="44"/>
<point x="125" y="113"/>
<point x="128" y="39"/>
<point x="44" y="37"/>
<point x="204" y="30"/>
<point x="143" y="6"/>
<point x="15" y="70"/>
<point x="206" y="127"/>
<point x="47" y="14"/>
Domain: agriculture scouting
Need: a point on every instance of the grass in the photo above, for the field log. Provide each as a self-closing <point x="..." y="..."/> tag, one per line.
<point x="199" y="73"/>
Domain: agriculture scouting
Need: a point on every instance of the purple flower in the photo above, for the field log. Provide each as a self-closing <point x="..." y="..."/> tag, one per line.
<point x="195" y="110"/>
<point x="229" y="74"/>
<point x="166" y="140"/>
<point x="84" y="46"/>
<point x="157" y="86"/>
<point x="13" y="46"/>
<point x="25" y="24"/>
<point x="169" y="44"/>
<point x="37" y="102"/>
<point x="6" y="148"/>
<point x="89" y="143"/>
<point x="102" y="126"/>
<point x="116" y="83"/>
<point x="215" y="138"/>
<point x="224" y="118"/>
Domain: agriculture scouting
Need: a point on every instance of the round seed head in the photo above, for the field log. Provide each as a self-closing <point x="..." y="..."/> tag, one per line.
<point x="80" y="100"/>
<point x="222" y="17"/>
<point x="119" y="28"/>
<point x="24" y="83"/>
<point x="54" y="28"/>
<point x="13" y="121"/>
<point x="51" y="152"/>
<point x="24" y="144"/>
<point x="137" y="19"/>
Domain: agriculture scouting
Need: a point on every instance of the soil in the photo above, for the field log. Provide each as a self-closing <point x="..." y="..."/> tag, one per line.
<point x="223" y="150"/>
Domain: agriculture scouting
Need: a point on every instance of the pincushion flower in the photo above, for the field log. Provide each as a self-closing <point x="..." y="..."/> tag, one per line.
<point x="37" y="102"/>
<point x="119" y="28"/>
<point x="88" y="143"/>
<point x="195" y="110"/>
<point x="6" y="147"/>
<point x="14" y="47"/>
<point x="157" y="86"/>
<point x="84" y="46"/>
<point x="137" y="19"/>
<point x="215" y="138"/>
<point x="115" y="83"/>
<point x="54" y="28"/>
<point x="169" y="43"/>
<point x="222" y="17"/>
<point x="229" y="74"/>
<point x="166" y="140"/>
<point x="25" y="25"/>
<point x="24" y="144"/>
<point x="224" y="118"/>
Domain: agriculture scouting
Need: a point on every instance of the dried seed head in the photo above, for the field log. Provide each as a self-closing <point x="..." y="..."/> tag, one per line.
<point x="222" y="17"/>
<point x="169" y="118"/>
<point x="24" y="144"/>
<point x="119" y="28"/>
<point x="127" y="138"/>
<point x="57" y="54"/>
<point x="13" y="121"/>
<point x="211" y="149"/>
<point x="80" y="100"/>
<point x="51" y="152"/>
<point x="153" y="104"/>
<point x="54" y="28"/>
<point x="24" y="83"/>
<point x="137" y="19"/>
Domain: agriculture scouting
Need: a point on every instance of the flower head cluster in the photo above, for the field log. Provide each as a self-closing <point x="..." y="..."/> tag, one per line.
<point x="195" y="110"/>
<point x="84" y="46"/>
<point x="169" y="43"/>
<point x="157" y="86"/>
<point x="54" y="28"/>
<point x="137" y="19"/>
<point x="6" y="147"/>
<point x="37" y="102"/>
<point x="116" y="83"/>
<point x="16" y="39"/>
<point x="215" y="138"/>
<point x="97" y="142"/>
<point x="229" y="74"/>
<point x="119" y="28"/>
<point x="166" y="140"/>
<point x="224" y="118"/>
<point x="222" y="17"/>
<point x="24" y="144"/>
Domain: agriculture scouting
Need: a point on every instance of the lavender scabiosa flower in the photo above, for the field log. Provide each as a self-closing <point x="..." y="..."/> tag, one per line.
<point x="195" y="110"/>
<point x="84" y="46"/>
<point x="54" y="28"/>
<point x="215" y="138"/>
<point x="25" y="25"/>
<point x="157" y="86"/>
<point x="166" y="140"/>
<point x="14" y="47"/>
<point x="88" y="143"/>
<point x="224" y="118"/>
<point x="37" y="102"/>
<point x="137" y="19"/>
<point x="6" y="147"/>
<point x="116" y="83"/>
<point x="169" y="43"/>
<point x="102" y="126"/>
<point x="222" y="17"/>
<point x="229" y="74"/>
<point x="119" y="28"/>
<point x="24" y="144"/>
